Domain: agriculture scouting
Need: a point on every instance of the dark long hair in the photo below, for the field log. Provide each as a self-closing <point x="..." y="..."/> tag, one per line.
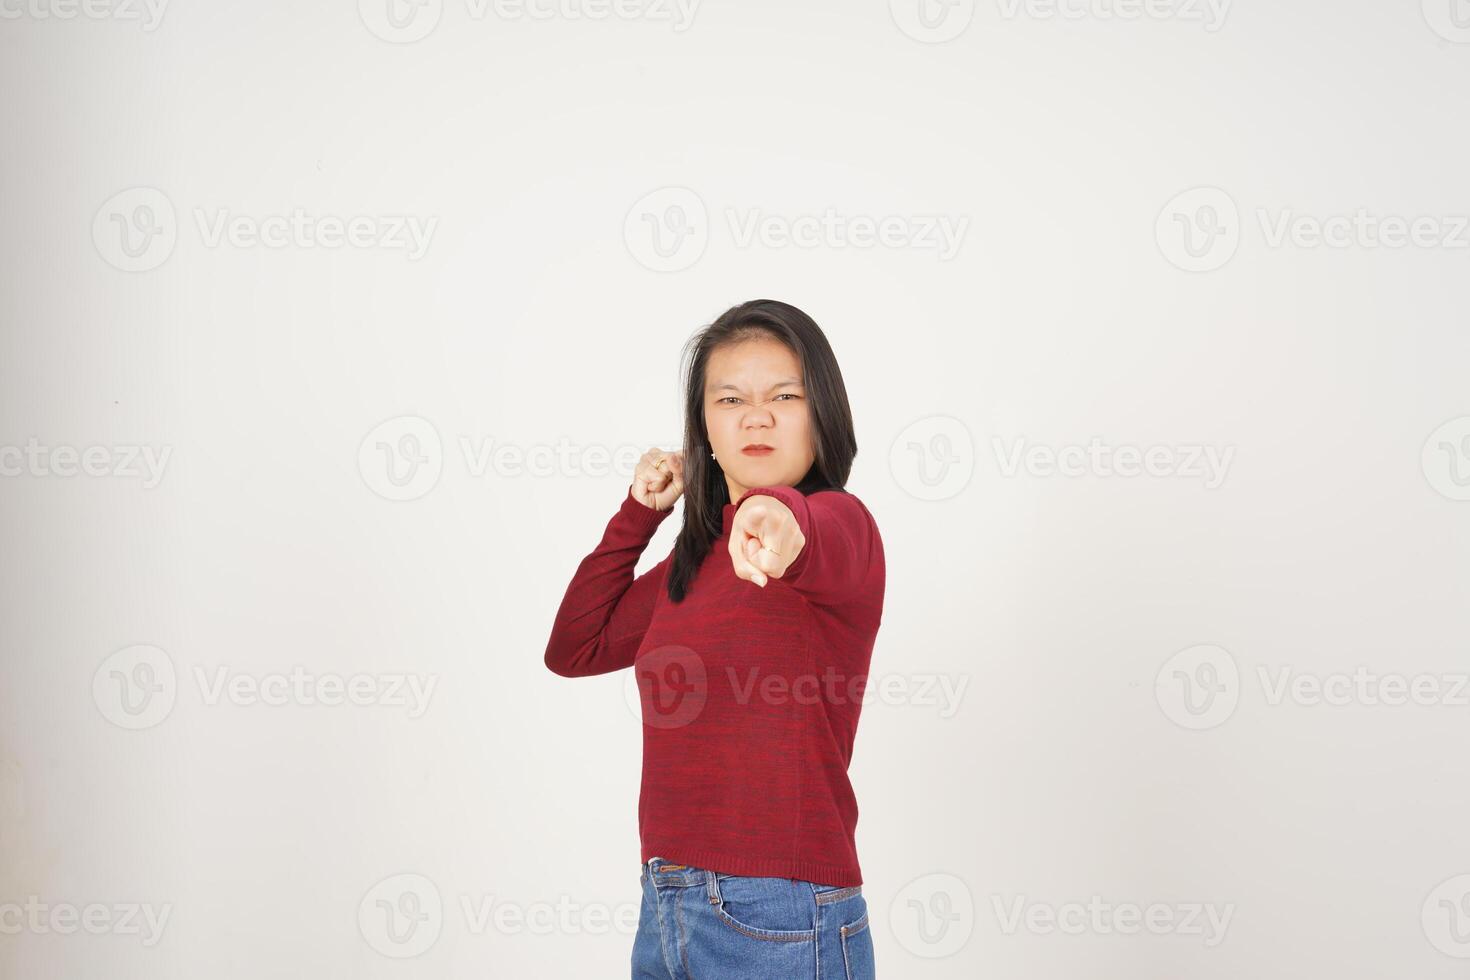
<point x="834" y="442"/>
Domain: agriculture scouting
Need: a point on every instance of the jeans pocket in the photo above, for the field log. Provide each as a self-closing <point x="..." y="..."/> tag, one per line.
<point x="857" y="945"/>
<point x="769" y="909"/>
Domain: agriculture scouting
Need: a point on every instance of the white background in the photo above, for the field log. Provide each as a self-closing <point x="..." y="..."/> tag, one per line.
<point x="543" y="313"/>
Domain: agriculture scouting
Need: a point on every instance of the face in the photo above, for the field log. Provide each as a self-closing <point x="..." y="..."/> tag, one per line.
<point x="754" y="395"/>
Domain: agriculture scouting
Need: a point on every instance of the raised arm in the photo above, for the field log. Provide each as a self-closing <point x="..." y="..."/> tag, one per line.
<point x="606" y="611"/>
<point x="842" y="552"/>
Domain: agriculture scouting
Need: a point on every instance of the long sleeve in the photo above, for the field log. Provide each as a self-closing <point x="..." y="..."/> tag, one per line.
<point x="842" y="547"/>
<point x="606" y="611"/>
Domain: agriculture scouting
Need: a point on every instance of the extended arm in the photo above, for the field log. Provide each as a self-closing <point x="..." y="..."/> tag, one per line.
<point x="841" y="547"/>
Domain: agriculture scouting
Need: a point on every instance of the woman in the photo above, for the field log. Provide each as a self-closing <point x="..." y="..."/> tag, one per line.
<point x="750" y="642"/>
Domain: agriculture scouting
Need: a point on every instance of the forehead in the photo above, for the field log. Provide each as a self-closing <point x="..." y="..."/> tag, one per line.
<point x="757" y="363"/>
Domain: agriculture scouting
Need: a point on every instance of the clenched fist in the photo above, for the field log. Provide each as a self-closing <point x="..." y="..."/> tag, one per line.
<point x="764" y="539"/>
<point x="658" y="479"/>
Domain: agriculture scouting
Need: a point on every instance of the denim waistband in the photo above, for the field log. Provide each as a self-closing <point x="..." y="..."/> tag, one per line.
<point x="666" y="873"/>
<point x="672" y="874"/>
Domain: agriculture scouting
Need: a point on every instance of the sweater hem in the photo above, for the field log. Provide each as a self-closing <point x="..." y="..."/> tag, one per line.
<point x="816" y="872"/>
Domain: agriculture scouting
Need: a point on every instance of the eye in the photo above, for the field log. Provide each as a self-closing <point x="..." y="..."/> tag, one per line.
<point x="736" y="398"/>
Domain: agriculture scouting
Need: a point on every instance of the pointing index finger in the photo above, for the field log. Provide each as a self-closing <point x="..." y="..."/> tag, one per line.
<point x="743" y="566"/>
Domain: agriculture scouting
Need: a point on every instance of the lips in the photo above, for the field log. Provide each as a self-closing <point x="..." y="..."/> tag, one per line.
<point x="758" y="449"/>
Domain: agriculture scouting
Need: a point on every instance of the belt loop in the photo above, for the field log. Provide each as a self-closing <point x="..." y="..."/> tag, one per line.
<point x="712" y="886"/>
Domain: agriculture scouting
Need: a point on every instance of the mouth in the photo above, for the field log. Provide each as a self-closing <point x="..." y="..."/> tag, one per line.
<point x="758" y="449"/>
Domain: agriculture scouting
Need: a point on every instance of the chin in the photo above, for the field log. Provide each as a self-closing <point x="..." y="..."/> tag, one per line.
<point x="757" y="473"/>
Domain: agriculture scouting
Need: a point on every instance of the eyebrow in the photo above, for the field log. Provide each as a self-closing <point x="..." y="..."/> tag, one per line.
<point x="779" y="384"/>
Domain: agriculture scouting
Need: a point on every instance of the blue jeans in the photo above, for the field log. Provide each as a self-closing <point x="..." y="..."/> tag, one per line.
<point x="698" y="924"/>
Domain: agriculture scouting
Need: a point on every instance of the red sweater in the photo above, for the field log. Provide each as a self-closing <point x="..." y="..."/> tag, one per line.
<point x="750" y="695"/>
